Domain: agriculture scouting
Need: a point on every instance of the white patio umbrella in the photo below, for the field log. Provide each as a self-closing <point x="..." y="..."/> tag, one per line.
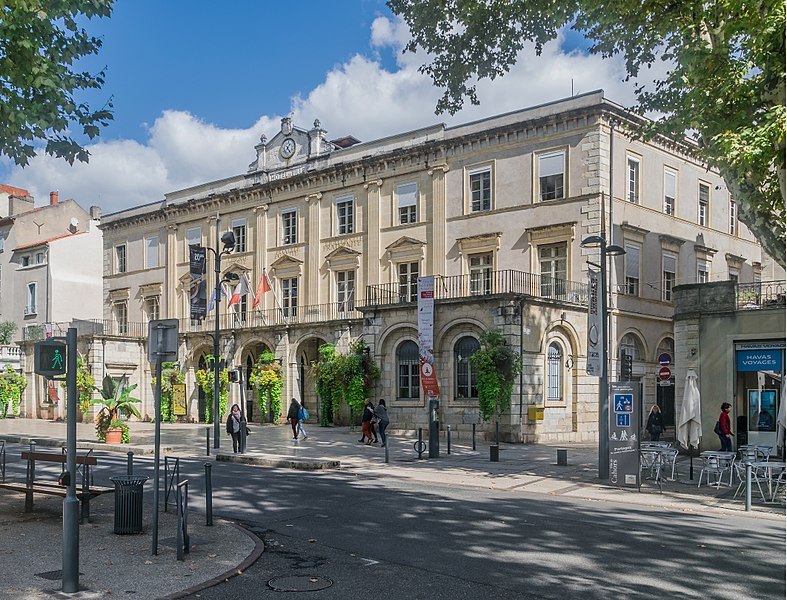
<point x="781" y="421"/>
<point x="690" y="421"/>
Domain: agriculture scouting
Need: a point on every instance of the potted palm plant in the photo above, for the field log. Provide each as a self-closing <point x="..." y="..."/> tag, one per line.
<point x="116" y="401"/>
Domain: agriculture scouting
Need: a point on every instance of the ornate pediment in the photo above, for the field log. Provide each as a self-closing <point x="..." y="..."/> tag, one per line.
<point x="405" y="249"/>
<point x="286" y="266"/>
<point x="483" y="242"/>
<point x="291" y="146"/>
<point x="343" y="258"/>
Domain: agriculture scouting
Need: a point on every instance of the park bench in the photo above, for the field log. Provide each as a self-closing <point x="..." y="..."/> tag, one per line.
<point x="32" y="485"/>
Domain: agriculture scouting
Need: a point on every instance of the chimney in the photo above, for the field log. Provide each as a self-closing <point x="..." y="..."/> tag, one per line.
<point x="53" y="198"/>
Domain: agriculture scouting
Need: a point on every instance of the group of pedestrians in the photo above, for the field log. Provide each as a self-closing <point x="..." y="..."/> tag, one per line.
<point x="374" y="419"/>
<point x="296" y="415"/>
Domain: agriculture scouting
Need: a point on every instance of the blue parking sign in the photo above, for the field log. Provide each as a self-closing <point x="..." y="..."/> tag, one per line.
<point x="624" y="403"/>
<point x="624" y="420"/>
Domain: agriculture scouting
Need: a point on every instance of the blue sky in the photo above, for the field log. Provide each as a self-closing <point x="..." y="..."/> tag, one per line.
<point x="194" y="84"/>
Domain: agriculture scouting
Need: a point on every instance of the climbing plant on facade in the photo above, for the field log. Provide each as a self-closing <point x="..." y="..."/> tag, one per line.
<point x="496" y="365"/>
<point x="267" y="378"/>
<point x="12" y="385"/>
<point x="86" y="384"/>
<point x="170" y="375"/>
<point x="205" y="382"/>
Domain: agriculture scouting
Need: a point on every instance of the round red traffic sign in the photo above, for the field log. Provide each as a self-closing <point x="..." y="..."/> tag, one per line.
<point x="664" y="373"/>
<point x="665" y="359"/>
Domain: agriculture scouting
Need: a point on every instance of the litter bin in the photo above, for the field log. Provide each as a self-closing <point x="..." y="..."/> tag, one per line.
<point x="128" y="503"/>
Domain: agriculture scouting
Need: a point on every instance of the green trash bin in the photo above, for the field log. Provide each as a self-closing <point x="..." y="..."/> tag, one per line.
<point x="128" y="503"/>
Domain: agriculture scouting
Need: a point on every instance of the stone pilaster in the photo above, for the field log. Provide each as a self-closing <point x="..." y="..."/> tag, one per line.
<point x="371" y="254"/>
<point x="435" y="210"/>
<point x="313" y="250"/>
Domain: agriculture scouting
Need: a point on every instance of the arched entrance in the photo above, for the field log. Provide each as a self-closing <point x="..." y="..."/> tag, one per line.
<point x="250" y="356"/>
<point x="306" y="387"/>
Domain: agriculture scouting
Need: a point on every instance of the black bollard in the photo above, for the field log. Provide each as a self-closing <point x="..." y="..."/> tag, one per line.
<point x="207" y="441"/>
<point x="448" y="438"/>
<point x="473" y="436"/>
<point x="420" y="443"/>
<point x="130" y="464"/>
<point x="208" y="494"/>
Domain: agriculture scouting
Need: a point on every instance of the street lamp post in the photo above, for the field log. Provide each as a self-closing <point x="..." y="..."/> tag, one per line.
<point x="603" y="384"/>
<point x="228" y="241"/>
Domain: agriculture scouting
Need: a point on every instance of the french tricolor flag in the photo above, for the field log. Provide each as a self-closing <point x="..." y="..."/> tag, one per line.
<point x="240" y="290"/>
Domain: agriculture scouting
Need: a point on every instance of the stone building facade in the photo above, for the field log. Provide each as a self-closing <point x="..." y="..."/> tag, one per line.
<point x="495" y="210"/>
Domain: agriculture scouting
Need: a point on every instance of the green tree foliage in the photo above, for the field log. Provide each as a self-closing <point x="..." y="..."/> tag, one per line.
<point x="40" y="46"/>
<point x="205" y="380"/>
<point x="267" y="377"/>
<point x="724" y="87"/>
<point x="12" y="386"/>
<point x="7" y="331"/>
<point x="496" y="366"/>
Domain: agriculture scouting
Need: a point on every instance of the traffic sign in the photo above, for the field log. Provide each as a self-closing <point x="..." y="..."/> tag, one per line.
<point x="624" y="403"/>
<point x="664" y="373"/>
<point x="665" y="359"/>
<point x="50" y="358"/>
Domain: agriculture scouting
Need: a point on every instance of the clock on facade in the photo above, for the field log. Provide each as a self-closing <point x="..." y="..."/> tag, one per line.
<point x="287" y="148"/>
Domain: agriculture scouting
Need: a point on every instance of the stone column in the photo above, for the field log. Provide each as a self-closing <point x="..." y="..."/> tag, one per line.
<point x="435" y="236"/>
<point x="168" y="308"/>
<point x="312" y="250"/>
<point x="371" y="250"/>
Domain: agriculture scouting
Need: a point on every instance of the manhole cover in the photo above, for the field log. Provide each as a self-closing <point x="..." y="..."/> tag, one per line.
<point x="299" y="583"/>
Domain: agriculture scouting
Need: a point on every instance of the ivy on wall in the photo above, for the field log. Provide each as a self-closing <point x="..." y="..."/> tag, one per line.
<point x="267" y="378"/>
<point x="205" y="382"/>
<point x="12" y="385"/>
<point x="496" y="365"/>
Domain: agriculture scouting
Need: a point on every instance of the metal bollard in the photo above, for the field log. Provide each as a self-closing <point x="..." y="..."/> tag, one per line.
<point x="473" y="436"/>
<point x="562" y="457"/>
<point x="420" y="443"/>
<point x="208" y="495"/>
<point x="448" y="438"/>
<point x="748" y="486"/>
<point x="130" y="463"/>
<point x="207" y="441"/>
<point x="387" y="443"/>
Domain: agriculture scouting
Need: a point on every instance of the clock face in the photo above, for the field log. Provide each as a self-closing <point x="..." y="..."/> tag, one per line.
<point x="287" y="148"/>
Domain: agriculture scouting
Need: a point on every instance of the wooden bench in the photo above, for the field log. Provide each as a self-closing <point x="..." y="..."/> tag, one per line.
<point x="55" y="488"/>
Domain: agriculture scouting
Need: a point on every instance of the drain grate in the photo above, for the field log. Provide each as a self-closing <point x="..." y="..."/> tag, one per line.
<point x="299" y="583"/>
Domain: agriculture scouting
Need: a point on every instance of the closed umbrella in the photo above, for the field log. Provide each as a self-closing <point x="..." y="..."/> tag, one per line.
<point x="781" y="421"/>
<point x="690" y="421"/>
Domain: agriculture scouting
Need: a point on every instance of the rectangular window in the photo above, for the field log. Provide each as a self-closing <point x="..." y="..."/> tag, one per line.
<point x="241" y="309"/>
<point x="551" y="176"/>
<point x="345" y="290"/>
<point x="480" y="186"/>
<point x="704" y="201"/>
<point x="120" y="258"/>
<point x="733" y="276"/>
<point x="481" y="274"/>
<point x="26" y="261"/>
<point x="407" y="202"/>
<point x="733" y="218"/>
<point x="552" y="260"/>
<point x="409" y="379"/>
<point x="670" y="192"/>
<point x="151" y="252"/>
<point x="193" y="238"/>
<point x="152" y="308"/>
<point x="289" y="227"/>
<point x="632" y="188"/>
<point x="39" y="258"/>
<point x="632" y="256"/>
<point x="2" y="242"/>
<point x="703" y="271"/>
<point x="408" y="282"/>
<point x="344" y="215"/>
<point x="668" y="270"/>
<point x="31" y="301"/>
<point x="239" y="229"/>
<point x="289" y="297"/>
<point x="121" y="318"/>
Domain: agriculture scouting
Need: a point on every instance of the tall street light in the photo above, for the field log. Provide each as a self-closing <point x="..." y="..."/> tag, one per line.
<point x="228" y="241"/>
<point x="603" y="385"/>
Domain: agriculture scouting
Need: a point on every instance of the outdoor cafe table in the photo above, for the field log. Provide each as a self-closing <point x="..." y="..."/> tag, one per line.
<point x="765" y="469"/>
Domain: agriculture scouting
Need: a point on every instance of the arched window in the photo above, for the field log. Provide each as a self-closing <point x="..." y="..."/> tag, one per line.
<point x="466" y="386"/>
<point x="631" y="345"/>
<point x="554" y="372"/>
<point x="408" y="370"/>
<point x="666" y="346"/>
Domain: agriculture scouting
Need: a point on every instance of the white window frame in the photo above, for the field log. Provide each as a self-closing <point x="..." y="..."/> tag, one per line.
<point x="633" y="178"/>
<point x="733" y="217"/>
<point x="559" y="191"/>
<point x="553" y="280"/>
<point x="31" y="298"/>
<point x="670" y="181"/>
<point x="480" y="196"/>
<point x="480" y="267"/>
<point x="289" y="227"/>
<point x="703" y="207"/>
<point x="554" y="372"/>
<point x="289" y="296"/>
<point x="121" y="262"/>
<point x="345" y="290"/>
<point x="121" y="317"/>
<point x="345" y="215"/>
<point x="703" y="270"/>
<point x="407" y="203"/>
<point x="408" y="372"/>
<point x="153" y="308"/>
<point x="239" y="229"/>
<point x="151" y="256"/>
<point x="668" y="277"/>
<point x="2" y="242"/>
<point x="25" y="261"/>
<point x="633" y="273"/>
<point x="408" y="273"/>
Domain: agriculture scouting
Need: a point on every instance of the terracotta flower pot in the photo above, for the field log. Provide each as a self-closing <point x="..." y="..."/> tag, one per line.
<point x="114" y="435"/>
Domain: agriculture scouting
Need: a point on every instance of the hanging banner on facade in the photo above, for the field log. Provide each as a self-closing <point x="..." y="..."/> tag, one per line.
<point x="199" y="295"/>
<point x="595" y="360"/>
<point x="179" y="399"/>
<point x="426" y="336"/>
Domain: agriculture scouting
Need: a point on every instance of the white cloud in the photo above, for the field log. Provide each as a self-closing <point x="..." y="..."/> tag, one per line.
<point x="359" y="97"/>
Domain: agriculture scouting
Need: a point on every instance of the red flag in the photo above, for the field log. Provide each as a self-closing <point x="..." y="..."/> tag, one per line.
<point x="240" y="290"/>
<point x="264" y="286"/>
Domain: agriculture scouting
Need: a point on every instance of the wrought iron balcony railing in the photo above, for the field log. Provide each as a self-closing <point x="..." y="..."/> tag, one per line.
<point x="763" y="294"/>
<point x="484" y="283"/>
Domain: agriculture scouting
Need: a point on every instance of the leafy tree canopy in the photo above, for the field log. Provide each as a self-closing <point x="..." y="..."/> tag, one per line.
<point x="725" y="86"/>
<point x="41" y="43"/>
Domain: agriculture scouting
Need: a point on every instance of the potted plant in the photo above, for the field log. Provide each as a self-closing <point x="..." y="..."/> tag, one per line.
<point x="116" y="401"/>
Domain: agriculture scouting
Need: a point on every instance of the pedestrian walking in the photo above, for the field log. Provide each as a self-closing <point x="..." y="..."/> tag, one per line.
<point x="303" y="415"/>
<point x="366" y="422"/>
<point x="381" y="412"/>
<point x="723" y="428"/>
<point x="236" y="426"/>
<point x="374" y="423"/>
<point x="292" y="417"/>
<point x="655" y="426"/>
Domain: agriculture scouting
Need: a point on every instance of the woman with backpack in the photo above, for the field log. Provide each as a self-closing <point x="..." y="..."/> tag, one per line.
<point x="303" y="414"/>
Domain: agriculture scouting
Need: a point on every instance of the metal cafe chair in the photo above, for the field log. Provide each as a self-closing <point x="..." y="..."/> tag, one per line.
<point x="716" y="463"/>
<point x="652" y="461"/>
<point x="740" y="471"/>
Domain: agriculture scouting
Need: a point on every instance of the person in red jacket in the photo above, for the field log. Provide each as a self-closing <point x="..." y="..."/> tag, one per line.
<point x="725" y="430"/>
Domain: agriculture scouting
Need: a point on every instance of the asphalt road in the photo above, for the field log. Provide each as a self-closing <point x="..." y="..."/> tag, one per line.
<point x="361" y="536"/>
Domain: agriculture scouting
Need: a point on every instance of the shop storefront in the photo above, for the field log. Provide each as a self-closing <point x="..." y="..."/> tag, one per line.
<point x="759" y="379"/>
